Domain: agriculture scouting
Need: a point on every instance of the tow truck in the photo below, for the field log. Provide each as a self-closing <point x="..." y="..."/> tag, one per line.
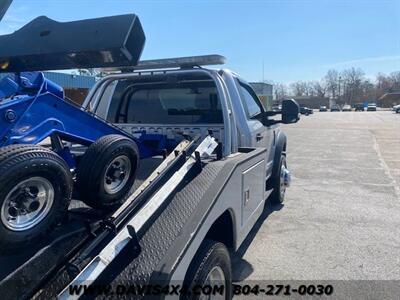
<point x="195" y="197"/>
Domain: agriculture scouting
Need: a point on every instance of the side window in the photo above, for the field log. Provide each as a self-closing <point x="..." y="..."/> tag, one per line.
<point x="250" y="101"/>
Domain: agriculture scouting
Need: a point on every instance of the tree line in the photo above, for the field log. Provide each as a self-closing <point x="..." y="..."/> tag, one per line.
<point x="348" y="86"/>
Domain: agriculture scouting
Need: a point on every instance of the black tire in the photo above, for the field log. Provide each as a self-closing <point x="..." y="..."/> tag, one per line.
<point x="211" y="254"/>
<point x="277" y="197"/>
<point x="97" y="161"/>
<point x="20" y="164"/>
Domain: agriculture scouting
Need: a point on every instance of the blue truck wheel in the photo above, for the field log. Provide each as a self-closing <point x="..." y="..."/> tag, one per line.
<point x="107" y="170"/>
<point x="35" y="191"/>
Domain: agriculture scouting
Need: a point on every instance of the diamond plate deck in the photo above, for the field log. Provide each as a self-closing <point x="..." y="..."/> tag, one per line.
<point x="166" y="228"/>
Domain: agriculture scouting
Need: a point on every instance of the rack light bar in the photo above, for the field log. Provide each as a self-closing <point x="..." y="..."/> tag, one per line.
<point x="180" y="62"/>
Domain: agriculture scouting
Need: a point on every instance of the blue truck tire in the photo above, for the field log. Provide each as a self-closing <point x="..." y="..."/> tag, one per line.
<point x="107" y="171"/>
<point x="35" y="192"/>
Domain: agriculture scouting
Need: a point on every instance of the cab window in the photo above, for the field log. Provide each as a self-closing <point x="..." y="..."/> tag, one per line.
<point x="193" y="103"/>
<point x="250" y="100"/>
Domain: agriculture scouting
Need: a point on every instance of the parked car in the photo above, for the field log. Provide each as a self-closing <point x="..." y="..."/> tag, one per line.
<point x="371" y="107"/>
<point x="323" y="108"/>
<point x="305" y="110"/>
<point x="396" y="108"/>
<point x="346" y="108"/>
<point x="359" y="107"/>
<point x="335" y="108"/>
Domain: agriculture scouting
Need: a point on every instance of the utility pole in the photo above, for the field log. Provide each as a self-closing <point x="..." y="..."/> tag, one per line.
<point x="340" y="78"/>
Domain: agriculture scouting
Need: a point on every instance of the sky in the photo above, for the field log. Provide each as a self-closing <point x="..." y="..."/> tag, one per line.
<point x="289" y="40"/>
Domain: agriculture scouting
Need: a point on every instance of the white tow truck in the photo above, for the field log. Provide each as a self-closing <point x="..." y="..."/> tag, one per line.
<point x="189" y="209"/>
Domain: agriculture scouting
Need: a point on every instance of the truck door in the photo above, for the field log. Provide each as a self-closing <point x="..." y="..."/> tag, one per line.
<point x="252" y="105"/>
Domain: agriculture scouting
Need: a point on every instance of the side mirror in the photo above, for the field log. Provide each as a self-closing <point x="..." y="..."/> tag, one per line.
<point x="290" y="111"/>
<point x="290" y="114"/>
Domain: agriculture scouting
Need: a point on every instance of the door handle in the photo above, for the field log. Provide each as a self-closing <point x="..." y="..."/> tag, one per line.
<point x="259" y="137"/>
<point x="246" y="197"/>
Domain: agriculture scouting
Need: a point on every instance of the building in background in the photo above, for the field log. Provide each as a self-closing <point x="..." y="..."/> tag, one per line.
<point x="264" y="93"/>
<point x="389" y="99"/>
<point x="312" y="102"/>
<point x="76" y="87"/>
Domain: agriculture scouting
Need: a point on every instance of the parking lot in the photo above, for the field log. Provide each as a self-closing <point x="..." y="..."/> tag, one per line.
<point x="341" y="218"/>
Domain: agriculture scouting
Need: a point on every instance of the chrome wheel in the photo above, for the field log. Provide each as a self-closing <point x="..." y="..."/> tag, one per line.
<point x="27" y="204"/>
<point x="215" y="277"/>
<point x="117" y="174"/>
<point x="284" y="180"/>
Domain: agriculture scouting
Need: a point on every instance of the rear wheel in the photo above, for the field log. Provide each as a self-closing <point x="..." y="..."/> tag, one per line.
<point x="35" y="191"/>
<point x="211" y="266"/>
<point x="107" y="170"/>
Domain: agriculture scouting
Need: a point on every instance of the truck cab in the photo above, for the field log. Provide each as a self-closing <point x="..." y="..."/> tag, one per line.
<point x="185" y="100"/>
<point x="180" y="99"/>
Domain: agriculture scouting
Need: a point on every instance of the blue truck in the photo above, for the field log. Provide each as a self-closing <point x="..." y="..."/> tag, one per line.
<point x="37" y="182"/>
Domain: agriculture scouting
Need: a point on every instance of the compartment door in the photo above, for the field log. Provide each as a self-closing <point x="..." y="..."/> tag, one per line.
<point x="253" y="187"/>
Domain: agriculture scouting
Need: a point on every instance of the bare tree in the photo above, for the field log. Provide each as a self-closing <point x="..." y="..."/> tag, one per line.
<point x="332" y="82"/>
<point x="309" y="89"/>
<point x="280" y="91"/>
<point x="383" y="82"/>
<point x="368" y="90"/>
<point x="349" y="86"/>
<point x="395" y="81"/>
<point x="352" y="80"/>
<point x="299" y="88"/>
<point x="318" y="88"/>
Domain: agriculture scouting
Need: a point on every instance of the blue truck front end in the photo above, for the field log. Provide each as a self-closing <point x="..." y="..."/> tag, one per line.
<point x="37" y="179"/>
<point x="33" y="108"/>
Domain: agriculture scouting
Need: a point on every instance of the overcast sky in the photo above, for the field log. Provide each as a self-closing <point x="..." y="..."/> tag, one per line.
<point x="296" y="40"/>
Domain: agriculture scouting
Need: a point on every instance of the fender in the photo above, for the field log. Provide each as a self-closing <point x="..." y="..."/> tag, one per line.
<point x="280" y="147"/>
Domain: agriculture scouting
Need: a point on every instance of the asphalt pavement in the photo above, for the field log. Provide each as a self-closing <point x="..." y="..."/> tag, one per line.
<point x="341" y="217"/>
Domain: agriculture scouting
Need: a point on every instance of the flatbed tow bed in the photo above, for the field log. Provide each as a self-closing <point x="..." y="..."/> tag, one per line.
<point x="189" y="209"/>
<point x="71" y="245"/>
<point x="163" y="244"/>
<point x="163" y="235"/>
